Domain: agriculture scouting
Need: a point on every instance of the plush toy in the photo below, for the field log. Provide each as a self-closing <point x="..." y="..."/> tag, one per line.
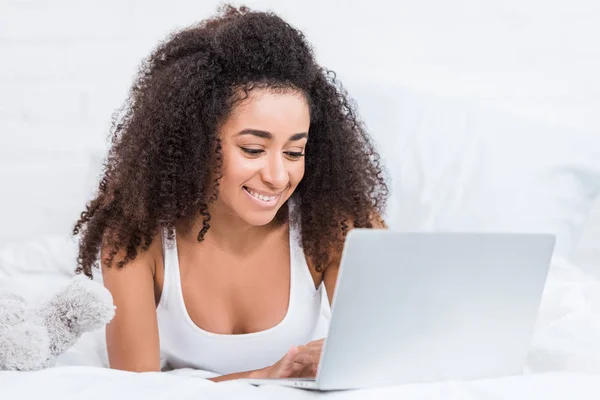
<point x="31" y="338"/>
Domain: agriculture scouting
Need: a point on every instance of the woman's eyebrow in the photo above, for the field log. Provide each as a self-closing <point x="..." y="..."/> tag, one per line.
<point x="257" y="133"/>
<point x="268" y="135"/>
<point x="298" y="136"/>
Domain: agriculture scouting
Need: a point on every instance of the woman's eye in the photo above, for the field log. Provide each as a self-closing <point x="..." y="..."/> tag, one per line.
<point x="252" y="152"/>
<point x="294" y="154"/>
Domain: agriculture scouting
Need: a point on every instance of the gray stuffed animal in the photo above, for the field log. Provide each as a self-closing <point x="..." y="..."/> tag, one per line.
<point x="31" y="338"/>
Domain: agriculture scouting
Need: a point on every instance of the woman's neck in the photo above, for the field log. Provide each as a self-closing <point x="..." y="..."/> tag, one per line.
<point x="231" y="233"/>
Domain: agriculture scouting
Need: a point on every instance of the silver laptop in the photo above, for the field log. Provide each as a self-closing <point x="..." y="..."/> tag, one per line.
<point x="422" y="307"/>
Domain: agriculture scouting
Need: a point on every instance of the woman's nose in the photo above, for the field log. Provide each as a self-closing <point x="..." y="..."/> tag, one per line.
<point x="274" y="173"/>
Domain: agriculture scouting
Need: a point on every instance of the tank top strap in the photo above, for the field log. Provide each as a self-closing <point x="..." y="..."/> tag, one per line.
<point x="171" y="277"/>
<point x="298" y="258"/>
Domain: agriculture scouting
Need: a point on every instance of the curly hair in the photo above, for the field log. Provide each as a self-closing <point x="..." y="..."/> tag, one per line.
<point x="165" y="158"/>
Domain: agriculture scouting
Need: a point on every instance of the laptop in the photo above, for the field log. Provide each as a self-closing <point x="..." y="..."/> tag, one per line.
<point x="424" y="307"/>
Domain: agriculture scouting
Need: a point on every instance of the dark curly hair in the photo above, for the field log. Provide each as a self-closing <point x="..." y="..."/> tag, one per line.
<point x="164" y="163"/>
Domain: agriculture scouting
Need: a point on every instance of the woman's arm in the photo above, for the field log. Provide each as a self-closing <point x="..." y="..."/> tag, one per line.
<point x="132" y="336"/>
<point x="258" y="374"/>
<point x="287" y="367"/>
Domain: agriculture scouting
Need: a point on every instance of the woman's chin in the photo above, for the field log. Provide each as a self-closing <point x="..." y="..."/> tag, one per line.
<point x="259" y="218"/>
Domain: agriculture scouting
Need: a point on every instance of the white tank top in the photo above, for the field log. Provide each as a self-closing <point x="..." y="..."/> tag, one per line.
<point x="185" y="345"/>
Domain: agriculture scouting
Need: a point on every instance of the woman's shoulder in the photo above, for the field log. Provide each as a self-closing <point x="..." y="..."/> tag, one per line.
<point x="144" y="257"/>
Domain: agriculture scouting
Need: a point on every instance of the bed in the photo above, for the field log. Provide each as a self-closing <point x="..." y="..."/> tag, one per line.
<point x="453" y="165"/>
<point x="563" y="362"/>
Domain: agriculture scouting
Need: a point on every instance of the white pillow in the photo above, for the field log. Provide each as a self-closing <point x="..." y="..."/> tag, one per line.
<point x="587" y="252"/>
<point x="459" y="166"/>
<point x="35" y="268"/>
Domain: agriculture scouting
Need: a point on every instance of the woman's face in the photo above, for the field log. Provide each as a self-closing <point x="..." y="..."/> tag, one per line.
<point x="263" y="144"/>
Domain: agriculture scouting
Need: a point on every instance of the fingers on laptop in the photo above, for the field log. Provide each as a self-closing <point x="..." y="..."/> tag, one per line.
<point x="315" y="345"/>
<point x="285" y="368"/>
<point x="288" y="367"/>
<point x="299" y="361"/>
<point x="304" y="371"/>
<point x="307" y="359"/>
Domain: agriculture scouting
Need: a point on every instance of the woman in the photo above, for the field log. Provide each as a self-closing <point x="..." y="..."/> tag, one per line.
<point x="235" y="172"/>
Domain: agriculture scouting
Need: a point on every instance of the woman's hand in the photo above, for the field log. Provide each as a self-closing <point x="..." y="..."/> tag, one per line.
<point x="299" y="362"/>
<point x="308" y="357"/>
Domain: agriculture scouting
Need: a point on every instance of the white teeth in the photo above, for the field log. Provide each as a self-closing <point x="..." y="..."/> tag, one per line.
<point x="260" y="196"/>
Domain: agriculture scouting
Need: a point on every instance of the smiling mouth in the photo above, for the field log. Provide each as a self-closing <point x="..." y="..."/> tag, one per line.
<point x="262" y="197"/>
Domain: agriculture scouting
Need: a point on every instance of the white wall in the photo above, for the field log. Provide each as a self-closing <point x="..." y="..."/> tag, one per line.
<point x="65" y="65"/>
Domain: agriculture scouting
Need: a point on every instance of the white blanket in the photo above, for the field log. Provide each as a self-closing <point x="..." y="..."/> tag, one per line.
<point x="564" y="359"/>
<point x="96" y="383"/>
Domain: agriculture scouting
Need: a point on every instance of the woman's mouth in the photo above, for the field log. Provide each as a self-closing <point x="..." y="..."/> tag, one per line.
<point x="261" y="197"/>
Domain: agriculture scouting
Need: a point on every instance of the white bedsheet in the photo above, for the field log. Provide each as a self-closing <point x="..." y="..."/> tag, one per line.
<point x="564" y="359"/>
<point x="96" y="383"/>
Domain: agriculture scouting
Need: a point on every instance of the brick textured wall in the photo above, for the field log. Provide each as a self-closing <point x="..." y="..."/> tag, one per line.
<point x="65" y="65"/>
